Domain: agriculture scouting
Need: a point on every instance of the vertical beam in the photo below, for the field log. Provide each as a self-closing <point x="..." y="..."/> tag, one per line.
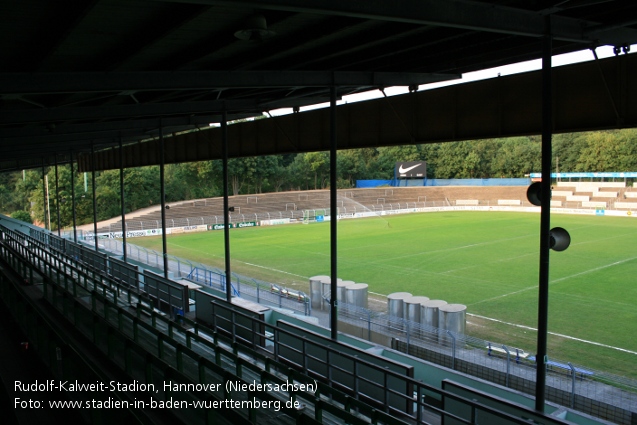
<point x="73" y="200"/>
<point x="333" y="219"/>
<point x="44" y="193"/>
<point x="122" y="197"/>
<point x="162" y="186"/>
<point x="94" y="198"/>
<point x="57" y="195"/>
<point x="545" y="220"/>
<point x="226" y="208"/>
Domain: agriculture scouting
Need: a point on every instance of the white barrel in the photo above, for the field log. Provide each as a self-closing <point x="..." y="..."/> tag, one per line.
<point x="357" y="294"/>
<point x="395" y="304"/>
<point x="453" y="318"/>
<point x="316" y="290"/>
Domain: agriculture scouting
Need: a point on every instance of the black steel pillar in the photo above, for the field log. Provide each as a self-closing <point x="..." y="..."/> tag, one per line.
<point x="545" y="220"/>
<point x="121" y="196"/>
<point x="94" y="198"/>
<point x="333" y="219"/>
<point x="73" y="200"/>
<point x="226" y="207"/>
<point x="44" y="193"/>
<point x="162" y="186"/>
<point x="57" y="196"/>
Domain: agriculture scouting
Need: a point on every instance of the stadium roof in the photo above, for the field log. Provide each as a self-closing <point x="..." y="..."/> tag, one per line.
<point x="91" y="74"/>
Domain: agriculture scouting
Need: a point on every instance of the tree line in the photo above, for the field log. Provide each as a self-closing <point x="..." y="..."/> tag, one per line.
<point x="22" y="193"/>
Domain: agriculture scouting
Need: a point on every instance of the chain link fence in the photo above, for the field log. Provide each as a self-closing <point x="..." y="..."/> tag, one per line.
<point x="597" y="393"/>
<point x="265" y="293"/>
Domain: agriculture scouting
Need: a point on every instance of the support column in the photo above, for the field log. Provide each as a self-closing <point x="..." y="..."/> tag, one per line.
<point x="73" y="200"/>
<point x="162" y="186"/>
<point x="45" y="191"/>
<point x="545" y="220"/>
<point x="226" y="208"/>
<point x="57" y="196"/>
<point x="94" y="198"/>
<point x="333" y="219"/>
<point x="122" y="197"/>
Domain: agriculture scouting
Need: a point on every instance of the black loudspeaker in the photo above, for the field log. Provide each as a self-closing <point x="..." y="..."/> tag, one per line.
<point x="534" y="194"/>
<point x="559" y="239"/>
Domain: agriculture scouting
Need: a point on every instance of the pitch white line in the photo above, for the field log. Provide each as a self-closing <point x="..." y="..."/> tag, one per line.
<point x="558" y="280"/>
<point x="271" y="269"/>
<point x="599" y="344"/>
<point x="594" y="270"/>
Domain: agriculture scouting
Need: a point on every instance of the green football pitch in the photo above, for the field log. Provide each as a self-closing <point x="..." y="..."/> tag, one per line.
<point x="488" y="261"/>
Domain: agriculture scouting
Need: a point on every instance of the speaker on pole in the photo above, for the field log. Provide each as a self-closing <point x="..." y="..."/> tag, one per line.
<point x="534" y="194"/>
<point x="559" y="239"/>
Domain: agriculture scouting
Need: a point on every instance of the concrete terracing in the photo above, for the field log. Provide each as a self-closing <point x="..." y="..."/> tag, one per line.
<point x="292" y="204"/>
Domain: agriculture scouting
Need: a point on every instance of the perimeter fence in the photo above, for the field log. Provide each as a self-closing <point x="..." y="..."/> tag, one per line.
<point x="594" y="392"/>
<point x="256" y="290"/>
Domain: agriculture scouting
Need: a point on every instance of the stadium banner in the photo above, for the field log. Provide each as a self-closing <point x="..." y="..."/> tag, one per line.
<point x="410" y="169"/>
<point x="246" y="224"/>
<point x="602" y="174"/>
<point x="275" y="222"/>
<point x="233" y="225"/>
<point x="216" y="226"/>
<point x="130" y="234"/>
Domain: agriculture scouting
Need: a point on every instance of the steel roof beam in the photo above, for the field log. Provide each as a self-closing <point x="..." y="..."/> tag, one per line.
<point x="462" y="14"/>
<point x="90" y="82"/>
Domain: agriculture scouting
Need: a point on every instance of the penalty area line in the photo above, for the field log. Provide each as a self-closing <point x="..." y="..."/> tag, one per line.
<point x="572" y="338"/>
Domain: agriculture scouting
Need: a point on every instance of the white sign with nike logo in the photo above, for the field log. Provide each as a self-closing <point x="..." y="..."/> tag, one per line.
<point x="402" y="170"/>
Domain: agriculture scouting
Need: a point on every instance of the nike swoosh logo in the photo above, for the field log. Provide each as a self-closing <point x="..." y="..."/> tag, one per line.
<point x="402" y="170"/>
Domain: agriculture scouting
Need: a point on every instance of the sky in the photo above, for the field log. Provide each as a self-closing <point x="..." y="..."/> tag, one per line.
<point x="534" y="65"/>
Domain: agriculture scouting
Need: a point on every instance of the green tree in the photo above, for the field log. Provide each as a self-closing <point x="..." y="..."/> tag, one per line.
<point x="265" y="167"/>
<point x="450" y="160"/>
<point x="609" y="151"/>
<point x="319" y="164"/>
<point x="517" y="157"/>
<point x="567" y="149"/>
<point x="351" y="166"/>
<point x="300" y="173"/>
<point x="22" y="216"/>
<point x="240" y="172"/>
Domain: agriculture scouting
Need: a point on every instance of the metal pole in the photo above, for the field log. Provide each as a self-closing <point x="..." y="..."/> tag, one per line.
<point x="333" y="219"/>
<point x="122" y="197"/>
<point x="162" y="189"/>
<point x="545" y="221"/>
<point x="73" y="200"/>
<point x="44" y="193"/>
<point x="94" y="198"/>
<point x="226" y="208"/>
<point x="57" y="195"/>
<point x="573" y="376"/>
<point x="506" y="349"/>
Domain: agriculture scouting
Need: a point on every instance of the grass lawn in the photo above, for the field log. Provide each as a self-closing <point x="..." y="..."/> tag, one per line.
<point x="488" y="261"/>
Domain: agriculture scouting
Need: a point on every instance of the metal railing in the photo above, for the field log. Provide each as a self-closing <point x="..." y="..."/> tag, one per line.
<point x="572" y="385"/>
